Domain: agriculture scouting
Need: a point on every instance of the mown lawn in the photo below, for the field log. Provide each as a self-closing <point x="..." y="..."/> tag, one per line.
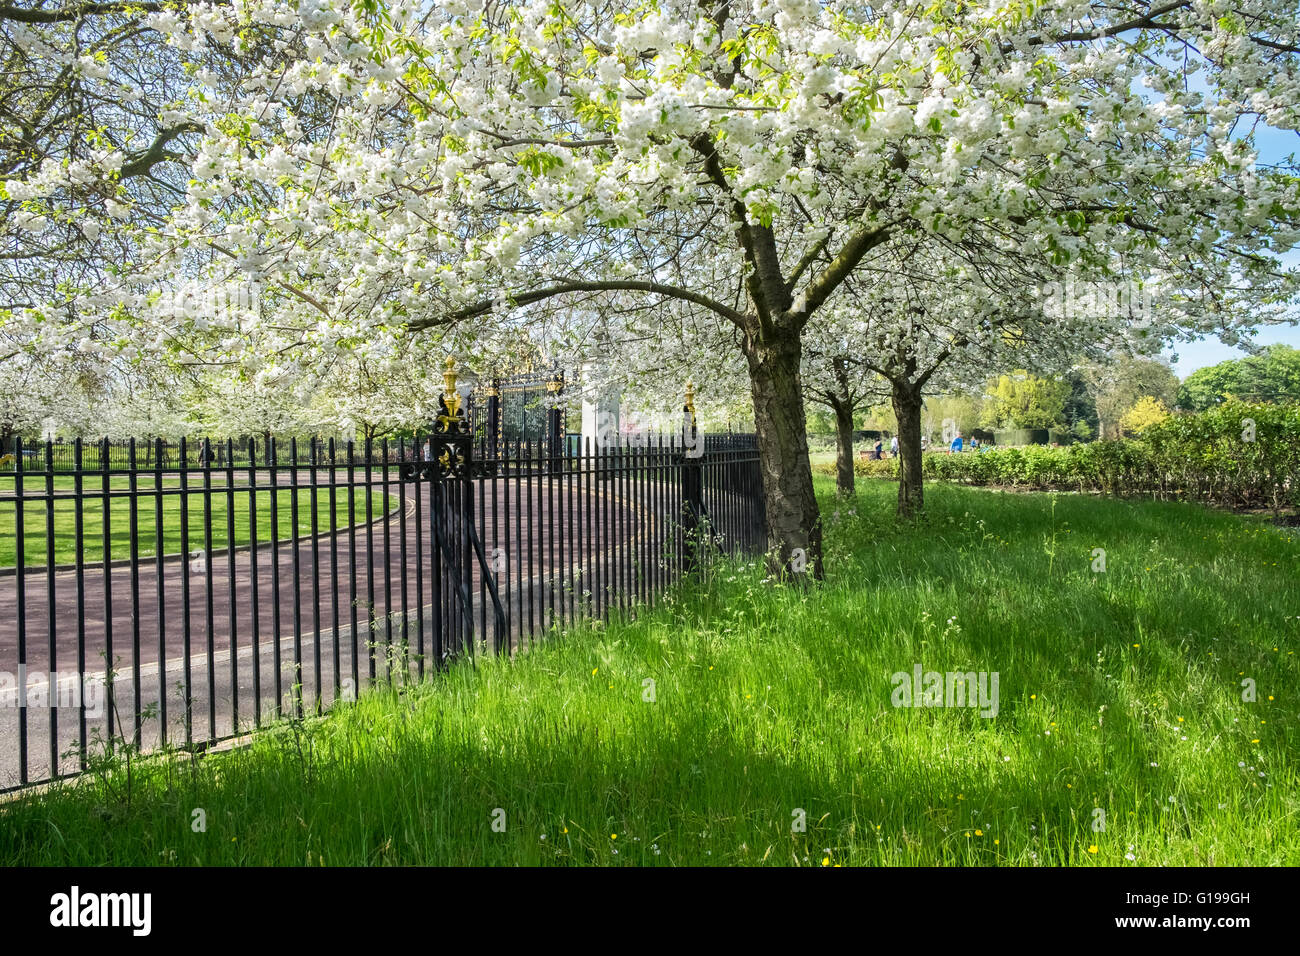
<point x="35" y="537"/>
<point x="1119" y="692"/>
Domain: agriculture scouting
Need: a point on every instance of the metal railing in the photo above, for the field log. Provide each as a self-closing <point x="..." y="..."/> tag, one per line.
<point x="174" y="596"/>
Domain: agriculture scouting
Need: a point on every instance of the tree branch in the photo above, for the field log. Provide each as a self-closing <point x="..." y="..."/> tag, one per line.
<point x="808" y="258"/>
<point x="75" y="11"/>
<point x="1147" y="20"/>
<point x="292" y="290"/>
<point x="563" y="286"/>
<point x="157" y="151"/>
<point x="766" y="285"/>
<point x="857" y="246"/>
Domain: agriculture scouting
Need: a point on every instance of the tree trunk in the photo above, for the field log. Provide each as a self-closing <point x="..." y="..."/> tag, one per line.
<point x="844" y="480"/>
<point x="906" y="399"/>
<point x="793" y="523"/>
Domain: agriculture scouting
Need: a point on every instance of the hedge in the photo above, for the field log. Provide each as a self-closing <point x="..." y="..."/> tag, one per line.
<point x="1214" y="456"/>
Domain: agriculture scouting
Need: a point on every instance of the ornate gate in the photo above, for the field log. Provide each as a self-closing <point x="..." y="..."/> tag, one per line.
<point x="458" y="556"/>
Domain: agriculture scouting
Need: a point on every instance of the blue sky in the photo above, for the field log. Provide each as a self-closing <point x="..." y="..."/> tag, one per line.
<point x="1210" y="351"/>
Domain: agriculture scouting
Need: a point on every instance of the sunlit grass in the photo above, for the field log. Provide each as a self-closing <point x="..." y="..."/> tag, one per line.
<point x="1120" y="692"/>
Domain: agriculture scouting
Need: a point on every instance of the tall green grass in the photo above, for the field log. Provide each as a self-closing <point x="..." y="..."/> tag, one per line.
<point x="1119" y="691"/>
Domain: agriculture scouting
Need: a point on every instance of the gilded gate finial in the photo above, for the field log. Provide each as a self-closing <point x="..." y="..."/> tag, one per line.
<point x="449" y="393"/>
<point x="690" y="400"/>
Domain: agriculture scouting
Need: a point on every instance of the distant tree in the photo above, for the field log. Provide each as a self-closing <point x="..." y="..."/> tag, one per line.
<point x="1147" y="412"/>
<point x="843" y="384"/>
<point x="1272" y="375"/>
<point x="1021" y="400"/>
<point x="880" y="418"/>
<point x="1116" y="384"/>
<point x="1080" y="407"/>
<point x="961" y="411"/>
<point x="44" y="395"/>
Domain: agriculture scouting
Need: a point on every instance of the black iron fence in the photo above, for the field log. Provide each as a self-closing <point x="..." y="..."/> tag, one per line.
<point x="175" y="595"/>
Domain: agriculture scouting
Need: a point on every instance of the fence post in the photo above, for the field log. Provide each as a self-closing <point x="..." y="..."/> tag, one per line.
<point x="494" y="417"/>
<point x="554" y="424"/>
<point x="692" y="486"/>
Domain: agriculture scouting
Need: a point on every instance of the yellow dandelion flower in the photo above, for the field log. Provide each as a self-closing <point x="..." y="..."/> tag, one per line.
<point x="979" y="832"/>
<point x="826" y="861"/>
<point x="1093" y="848"/>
